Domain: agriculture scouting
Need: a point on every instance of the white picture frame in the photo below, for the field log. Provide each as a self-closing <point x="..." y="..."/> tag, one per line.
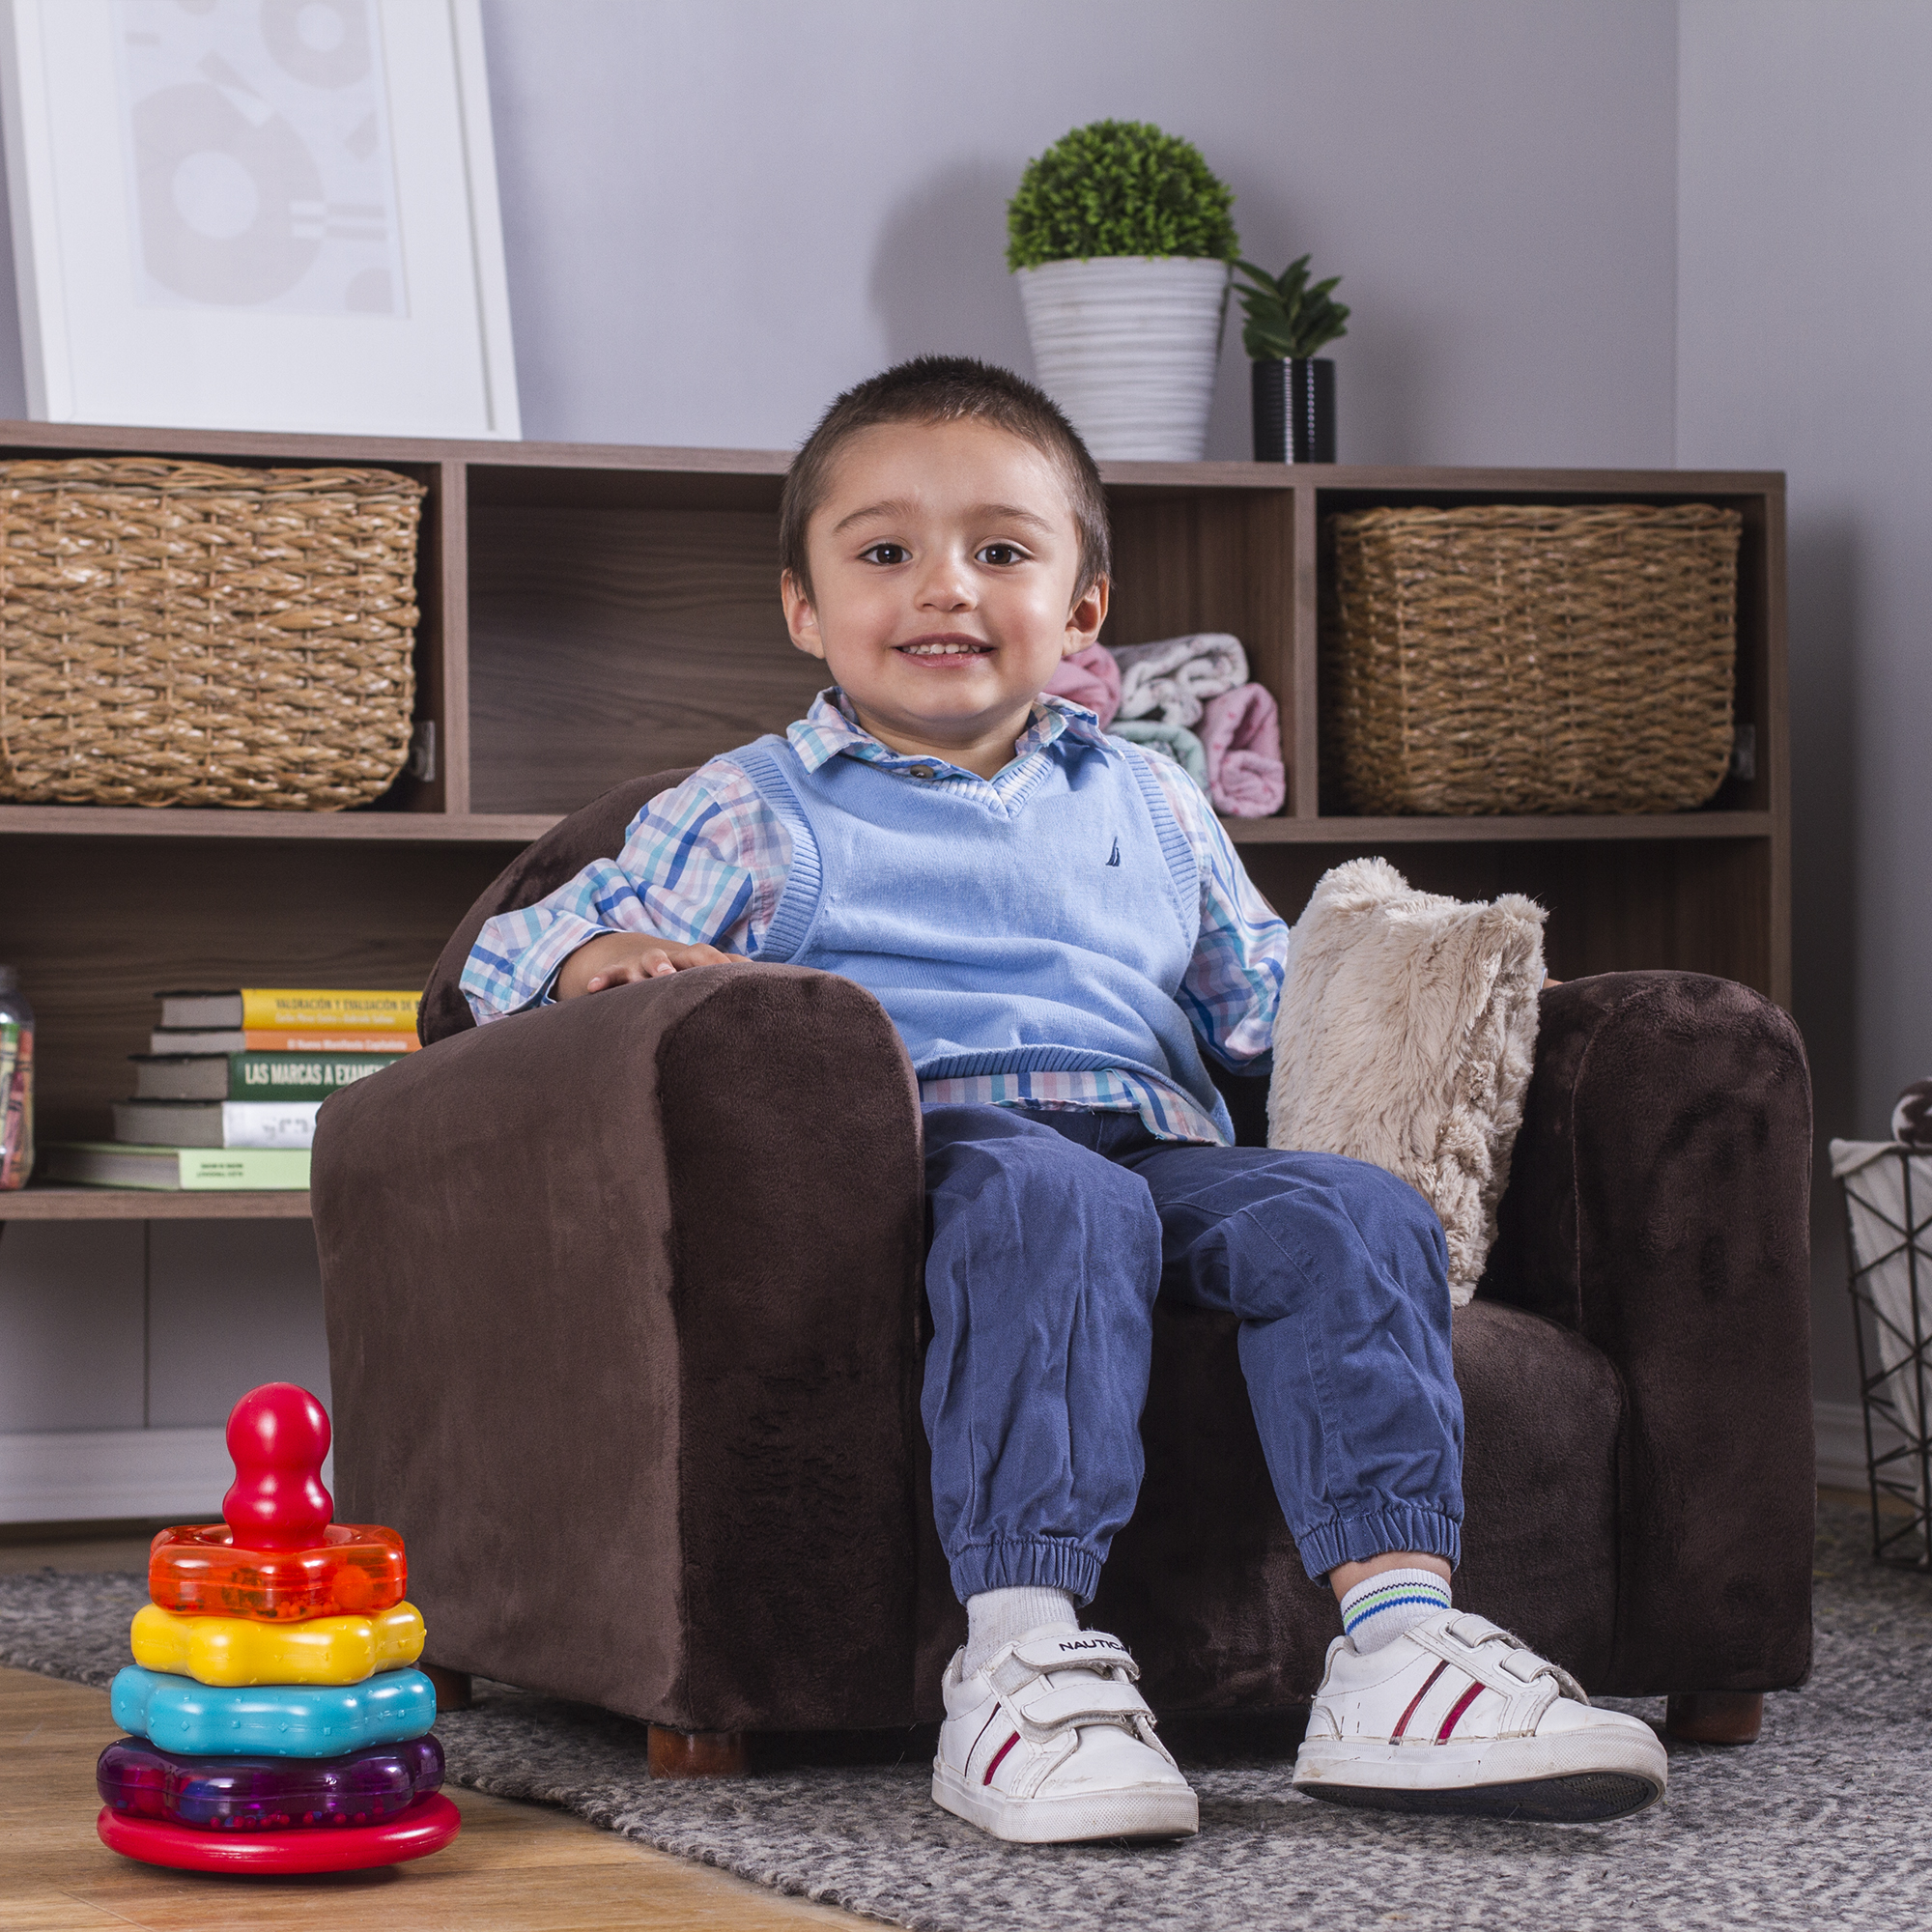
<point x="257" y="215"/>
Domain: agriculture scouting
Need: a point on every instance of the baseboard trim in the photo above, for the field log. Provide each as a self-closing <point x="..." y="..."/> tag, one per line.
<point x="93" y="1475"/>
<point x="1840" y="1430"/>
<point x="85" y="1475"/>
<point x="61" y="1475"/>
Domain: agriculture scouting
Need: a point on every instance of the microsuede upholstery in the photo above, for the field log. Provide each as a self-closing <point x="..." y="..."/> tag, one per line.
<point x="1658" y="1205"/>
<point x="622" y="1343"/>
<point x="626" y="1332"/>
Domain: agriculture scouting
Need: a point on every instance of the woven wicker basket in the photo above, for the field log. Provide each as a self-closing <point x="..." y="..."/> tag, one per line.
<point x="190" y="634"/>
<point x="1509" y="658"/>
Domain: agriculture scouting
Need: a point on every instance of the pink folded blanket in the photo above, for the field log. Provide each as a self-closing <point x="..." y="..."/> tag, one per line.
<point x="1090" y="677"/>
<point x="1240" y="732"/>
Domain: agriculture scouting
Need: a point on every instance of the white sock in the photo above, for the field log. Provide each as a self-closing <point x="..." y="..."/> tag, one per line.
<point x="995" y="1617"/>
<point x="1380" y="1608"/>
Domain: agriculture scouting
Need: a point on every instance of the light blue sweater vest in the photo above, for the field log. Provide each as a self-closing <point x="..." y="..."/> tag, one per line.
<point x="1048" y="933"/>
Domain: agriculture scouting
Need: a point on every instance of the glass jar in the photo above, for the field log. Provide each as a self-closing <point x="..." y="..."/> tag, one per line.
<point x="16" y="1082"/>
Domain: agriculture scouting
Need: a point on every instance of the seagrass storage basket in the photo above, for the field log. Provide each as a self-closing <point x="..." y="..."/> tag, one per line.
<point x="1529" y="658"/>
<point x="194" y="634"/>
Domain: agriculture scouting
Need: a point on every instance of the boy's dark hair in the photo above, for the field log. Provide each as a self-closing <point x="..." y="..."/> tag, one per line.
<point x="948" y="389"/>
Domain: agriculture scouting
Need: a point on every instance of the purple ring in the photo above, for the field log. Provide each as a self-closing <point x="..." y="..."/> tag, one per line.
<point x="267" y="1794"/>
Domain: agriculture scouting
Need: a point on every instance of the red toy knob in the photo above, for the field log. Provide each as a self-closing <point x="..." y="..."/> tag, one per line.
<point x="278" y="1436"/>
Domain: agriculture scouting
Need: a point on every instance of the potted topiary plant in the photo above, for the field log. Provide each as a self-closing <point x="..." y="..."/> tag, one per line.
<point x="1293" y="386"/>
<point x="1120" y="239"/>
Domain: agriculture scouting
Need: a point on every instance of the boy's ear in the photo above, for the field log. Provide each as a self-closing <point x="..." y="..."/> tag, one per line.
<point x="1084" y="620"/>
<point x="801" y="619"/>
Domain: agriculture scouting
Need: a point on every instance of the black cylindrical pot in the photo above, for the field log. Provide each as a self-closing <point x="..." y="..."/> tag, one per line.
<point x="1295" y="410"/>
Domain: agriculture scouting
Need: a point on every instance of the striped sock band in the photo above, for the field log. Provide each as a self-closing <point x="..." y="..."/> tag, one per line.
<point x="1380" y="1608"/>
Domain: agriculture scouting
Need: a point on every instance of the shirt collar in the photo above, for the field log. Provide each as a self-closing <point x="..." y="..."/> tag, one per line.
<point x="829" y="728"/>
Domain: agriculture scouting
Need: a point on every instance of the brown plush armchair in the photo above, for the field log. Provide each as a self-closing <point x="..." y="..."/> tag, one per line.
<point x="626" y="1327"/>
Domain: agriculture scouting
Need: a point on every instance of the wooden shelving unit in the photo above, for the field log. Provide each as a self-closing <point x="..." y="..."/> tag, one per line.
<point x="592" y="613"/>
<point x="141" y="1204"/>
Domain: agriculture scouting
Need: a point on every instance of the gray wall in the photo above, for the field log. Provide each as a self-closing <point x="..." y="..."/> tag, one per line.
<point x="104" y="1325"/>
<point x="1804" y="294"/>
<point x="719" y="213"/>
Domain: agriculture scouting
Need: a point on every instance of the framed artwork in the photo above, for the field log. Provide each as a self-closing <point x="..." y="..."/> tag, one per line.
<point x="260" y="215"/>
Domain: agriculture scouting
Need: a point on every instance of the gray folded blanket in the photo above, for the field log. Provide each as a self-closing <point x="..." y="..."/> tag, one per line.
<point x="1174" y="678"/>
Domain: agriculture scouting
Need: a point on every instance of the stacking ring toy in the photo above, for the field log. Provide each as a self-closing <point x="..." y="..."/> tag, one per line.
<point x="355" y="1569"/>
<point x="267" y="1794"/>
<point x="426" y="1827"/>
<point x="176" y="1714"/>
<point x="275" y="1723"/>
<point x="239" y="1650"/>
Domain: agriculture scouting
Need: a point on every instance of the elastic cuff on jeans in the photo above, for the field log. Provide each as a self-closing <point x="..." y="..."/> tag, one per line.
<point x="1401" y="1526"/>
<point x="1021" y="1563"/>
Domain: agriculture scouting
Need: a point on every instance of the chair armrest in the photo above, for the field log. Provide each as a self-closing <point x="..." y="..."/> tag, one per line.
<point x="621" y="1298"/>
<point x="1659" y="1204"/>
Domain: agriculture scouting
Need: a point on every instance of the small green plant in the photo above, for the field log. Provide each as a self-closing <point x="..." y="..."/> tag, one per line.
<point x="1285" y="317"/>
<point x="1119" y="187"/>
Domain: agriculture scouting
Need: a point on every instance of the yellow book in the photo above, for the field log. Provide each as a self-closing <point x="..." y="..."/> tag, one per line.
<point x="309" y="1009"/>
<point x="339" y="1011"/>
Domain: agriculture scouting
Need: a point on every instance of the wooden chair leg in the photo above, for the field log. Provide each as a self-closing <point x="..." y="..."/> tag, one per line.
<point x="697" y="1754"/>
<point x="1715" y="1717"/>
<point x="453" y="1686"/>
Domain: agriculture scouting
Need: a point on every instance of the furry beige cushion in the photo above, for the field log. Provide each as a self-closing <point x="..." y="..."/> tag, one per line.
<point x="1405" y="1035"/>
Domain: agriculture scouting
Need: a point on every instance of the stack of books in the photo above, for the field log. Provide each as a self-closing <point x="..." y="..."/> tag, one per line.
<point x="227" y="1094"/>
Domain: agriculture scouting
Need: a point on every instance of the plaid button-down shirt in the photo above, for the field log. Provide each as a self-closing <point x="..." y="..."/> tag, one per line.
<point x="705" y="862"/>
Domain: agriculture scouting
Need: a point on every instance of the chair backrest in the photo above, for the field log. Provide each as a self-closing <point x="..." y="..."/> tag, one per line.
<point x="596" y="832"/>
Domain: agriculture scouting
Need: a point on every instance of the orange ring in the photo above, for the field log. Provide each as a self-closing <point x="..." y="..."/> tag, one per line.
<point x="357" y="1570"/>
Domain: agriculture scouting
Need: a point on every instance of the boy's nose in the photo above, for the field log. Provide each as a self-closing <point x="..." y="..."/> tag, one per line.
<point x="945" y="586"/>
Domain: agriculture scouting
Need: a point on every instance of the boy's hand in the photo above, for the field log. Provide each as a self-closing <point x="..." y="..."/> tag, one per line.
<point x="617" y="959"/>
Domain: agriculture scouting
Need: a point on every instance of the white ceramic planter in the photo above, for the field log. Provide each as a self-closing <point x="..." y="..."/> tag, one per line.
<point x="1127" y="345"/>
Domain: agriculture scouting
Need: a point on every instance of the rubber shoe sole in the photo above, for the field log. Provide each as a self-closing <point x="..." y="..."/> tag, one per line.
<point x="1154" y="1811"/>
<point x="1578" y="1779"/>
<point x="1592" y="1798"/>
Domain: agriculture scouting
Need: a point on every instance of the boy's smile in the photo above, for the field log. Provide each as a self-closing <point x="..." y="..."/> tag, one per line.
<point x="945" y="560"/>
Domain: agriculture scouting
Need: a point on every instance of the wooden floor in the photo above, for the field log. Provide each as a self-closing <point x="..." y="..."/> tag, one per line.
<point x="512" y="1866"/>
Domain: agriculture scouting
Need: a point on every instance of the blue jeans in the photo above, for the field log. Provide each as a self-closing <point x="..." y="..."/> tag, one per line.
<point x="1053" y="1235"/>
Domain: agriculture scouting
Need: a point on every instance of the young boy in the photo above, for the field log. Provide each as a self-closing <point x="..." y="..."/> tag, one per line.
<point x="1060" y="931"/>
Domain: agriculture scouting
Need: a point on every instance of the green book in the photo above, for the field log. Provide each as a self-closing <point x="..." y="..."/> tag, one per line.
<point x="119" y="1164"/>
<point x="250" y="1076"/>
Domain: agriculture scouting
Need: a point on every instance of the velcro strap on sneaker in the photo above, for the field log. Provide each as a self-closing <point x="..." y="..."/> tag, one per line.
<point x="1090" y="1701"/>
<point x="1081" y="1650"/>
<point x="1494" y="1658"/>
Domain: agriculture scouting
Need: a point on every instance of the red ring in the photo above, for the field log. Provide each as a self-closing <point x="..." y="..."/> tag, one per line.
<point x="426" y="1827"/>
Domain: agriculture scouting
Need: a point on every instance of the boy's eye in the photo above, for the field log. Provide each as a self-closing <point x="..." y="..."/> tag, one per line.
<point x="885" y="552"/>
<point x="1000" y="554"/>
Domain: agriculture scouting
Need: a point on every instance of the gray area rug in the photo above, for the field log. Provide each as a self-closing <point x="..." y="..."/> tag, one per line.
<point x="1820" y="1824"/>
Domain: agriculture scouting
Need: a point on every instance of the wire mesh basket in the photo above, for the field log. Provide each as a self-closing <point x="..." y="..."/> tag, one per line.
<point x="1888" y="1191"/>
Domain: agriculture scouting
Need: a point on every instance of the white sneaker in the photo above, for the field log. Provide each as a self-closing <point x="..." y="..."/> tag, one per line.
<point x="1050" y="1744"/>
<point x="1457" y="1716"/>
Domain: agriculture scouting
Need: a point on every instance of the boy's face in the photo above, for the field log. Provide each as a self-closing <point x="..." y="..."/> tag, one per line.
<point x="944" y="560"/>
